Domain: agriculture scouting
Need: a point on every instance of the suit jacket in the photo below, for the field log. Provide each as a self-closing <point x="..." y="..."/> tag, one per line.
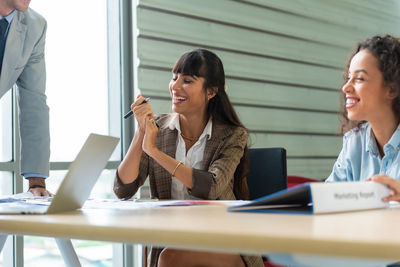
<point x="213" y="181"/>
<point x="24" y="65"/>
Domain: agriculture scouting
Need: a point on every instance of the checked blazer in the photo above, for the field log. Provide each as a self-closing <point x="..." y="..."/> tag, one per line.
<point x="214" y="181"/>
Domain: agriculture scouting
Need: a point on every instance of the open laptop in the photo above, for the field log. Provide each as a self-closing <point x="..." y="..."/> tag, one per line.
<point x="78" y="182"/>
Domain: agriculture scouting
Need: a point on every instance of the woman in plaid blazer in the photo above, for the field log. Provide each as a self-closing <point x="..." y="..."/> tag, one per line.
<point x="197" y="152"/>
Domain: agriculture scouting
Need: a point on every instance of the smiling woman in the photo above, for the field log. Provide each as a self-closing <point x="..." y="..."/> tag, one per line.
<point x="368" y="96"/>
<point x="197" y="152"/>
<point x="372" y="109"/>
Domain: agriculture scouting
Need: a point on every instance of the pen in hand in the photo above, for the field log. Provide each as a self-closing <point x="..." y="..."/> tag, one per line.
<point x="127" y="115"/>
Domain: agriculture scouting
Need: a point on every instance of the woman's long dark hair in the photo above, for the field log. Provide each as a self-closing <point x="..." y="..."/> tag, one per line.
<point x="206" y="64"/>
<point x="386" y="49"/>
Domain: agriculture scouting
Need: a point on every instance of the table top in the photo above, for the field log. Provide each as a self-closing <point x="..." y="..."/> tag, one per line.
<point x="372" y="234"/>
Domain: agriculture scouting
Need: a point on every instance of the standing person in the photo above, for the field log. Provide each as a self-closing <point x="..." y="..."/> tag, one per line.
<point x="22" y="41"/>
<point x="197" y="152"/>
<point x="371" y="116"/>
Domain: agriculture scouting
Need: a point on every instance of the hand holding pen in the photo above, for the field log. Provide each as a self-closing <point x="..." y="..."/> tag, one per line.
<point x="130" y="113"/>
<point x="141" y="111"/>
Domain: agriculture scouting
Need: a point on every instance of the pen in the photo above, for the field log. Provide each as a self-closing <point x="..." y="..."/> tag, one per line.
<point x="127" y="115"/>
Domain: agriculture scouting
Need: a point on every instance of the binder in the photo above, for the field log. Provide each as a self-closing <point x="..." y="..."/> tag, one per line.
<point x="316" y="198"/>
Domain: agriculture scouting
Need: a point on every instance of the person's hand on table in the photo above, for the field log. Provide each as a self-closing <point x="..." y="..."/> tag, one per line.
<point x="37" y="187"/>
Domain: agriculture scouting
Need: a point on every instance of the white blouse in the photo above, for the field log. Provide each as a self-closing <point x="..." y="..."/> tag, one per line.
<point x="193" y="158"/>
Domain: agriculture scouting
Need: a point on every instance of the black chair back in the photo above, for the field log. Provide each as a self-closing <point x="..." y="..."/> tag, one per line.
<point x="267" y="172"/>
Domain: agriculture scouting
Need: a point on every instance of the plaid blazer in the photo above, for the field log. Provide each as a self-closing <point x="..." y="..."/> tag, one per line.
<point x="214" y="181"/>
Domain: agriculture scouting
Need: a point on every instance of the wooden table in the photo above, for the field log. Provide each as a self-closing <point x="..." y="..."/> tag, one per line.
<point x="365" y="234"/>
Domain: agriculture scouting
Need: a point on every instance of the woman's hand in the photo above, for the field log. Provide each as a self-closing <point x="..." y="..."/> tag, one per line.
<point x="149" y="140"/>
<point x="141" y="112"/>
<point x="391" y="183"/>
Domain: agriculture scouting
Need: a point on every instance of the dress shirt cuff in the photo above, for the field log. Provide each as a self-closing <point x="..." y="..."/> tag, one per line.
<point x="202" y="181"/>
<point x="30" y="175"/>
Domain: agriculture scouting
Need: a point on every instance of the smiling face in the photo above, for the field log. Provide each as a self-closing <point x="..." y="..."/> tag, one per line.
<point x="367" y="97"/>
<point x="188" y="95"/>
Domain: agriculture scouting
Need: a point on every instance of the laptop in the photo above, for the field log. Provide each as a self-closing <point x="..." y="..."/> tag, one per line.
<point x="77" y="184"/>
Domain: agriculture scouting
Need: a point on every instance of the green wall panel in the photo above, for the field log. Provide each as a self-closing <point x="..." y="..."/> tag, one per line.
<point x="191" y="30"/>
<point x="299" y="145"/>
<point x="313" y="168"/>
<point x="155" y="82"/>
<point x="263" y="19"/>
<point x="164" y="54"/>
<point x="283" y="61"/>
<point x="366" y="16"/>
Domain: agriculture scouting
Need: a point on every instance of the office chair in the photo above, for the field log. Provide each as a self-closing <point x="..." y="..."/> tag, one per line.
<point x="267" y="172"/>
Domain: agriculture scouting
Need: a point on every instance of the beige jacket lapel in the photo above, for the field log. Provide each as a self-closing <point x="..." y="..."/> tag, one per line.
<point x="219" y="132"/>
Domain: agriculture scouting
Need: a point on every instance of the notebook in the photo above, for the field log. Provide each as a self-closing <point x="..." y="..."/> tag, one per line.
<point x="77" y="184"/>
<point x="315" y="198"/>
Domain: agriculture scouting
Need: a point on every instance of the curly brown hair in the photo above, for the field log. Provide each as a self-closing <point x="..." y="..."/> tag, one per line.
<point x="386" y="50"/>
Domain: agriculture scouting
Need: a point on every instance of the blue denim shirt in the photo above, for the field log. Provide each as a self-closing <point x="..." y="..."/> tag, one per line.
<point x="360" y="159"/>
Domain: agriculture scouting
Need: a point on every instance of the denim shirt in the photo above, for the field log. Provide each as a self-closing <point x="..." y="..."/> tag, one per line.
<point x="360" y="159"/>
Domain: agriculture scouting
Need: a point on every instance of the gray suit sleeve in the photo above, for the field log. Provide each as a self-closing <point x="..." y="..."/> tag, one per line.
<point x="34" y="112"/>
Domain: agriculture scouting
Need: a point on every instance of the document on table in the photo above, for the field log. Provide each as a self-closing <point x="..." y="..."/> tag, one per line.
<point x="151" y="203"/>
<point x="315" y="198"/>
<point x="22" y="199"/>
